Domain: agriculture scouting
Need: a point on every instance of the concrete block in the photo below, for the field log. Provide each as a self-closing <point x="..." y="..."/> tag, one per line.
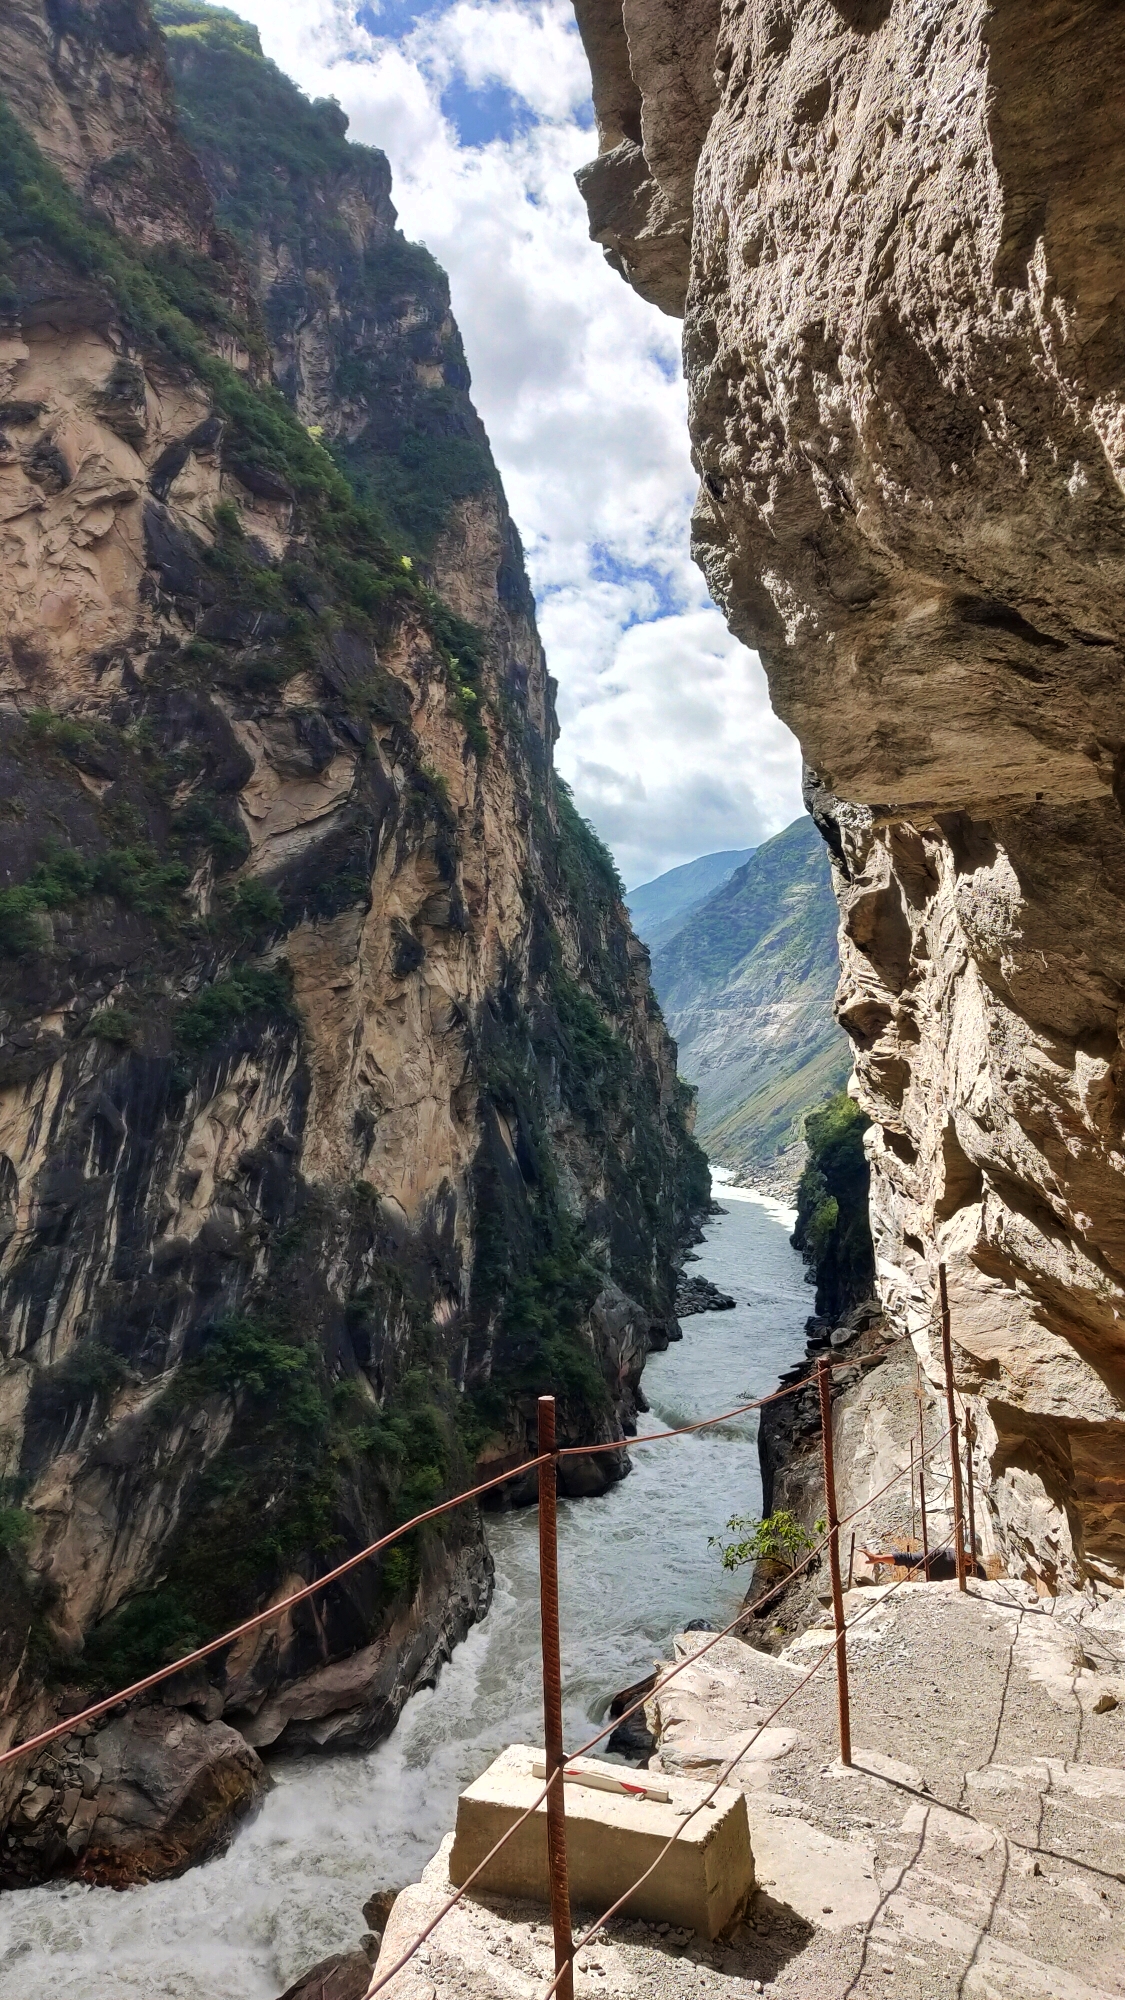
<point x="611" y="1840"/>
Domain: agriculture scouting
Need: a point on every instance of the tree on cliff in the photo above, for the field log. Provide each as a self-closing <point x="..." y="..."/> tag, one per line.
<point x="833" y="1233"/>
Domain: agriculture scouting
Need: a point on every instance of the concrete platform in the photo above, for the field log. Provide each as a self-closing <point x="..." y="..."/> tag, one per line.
<point x="700" y="1884"/>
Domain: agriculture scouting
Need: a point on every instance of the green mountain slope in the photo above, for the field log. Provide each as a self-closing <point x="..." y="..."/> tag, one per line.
<point x="662" y="907"/>
<point x="746" y="986"/>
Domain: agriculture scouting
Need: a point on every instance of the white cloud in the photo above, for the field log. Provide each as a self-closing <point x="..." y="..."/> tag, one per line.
<point x="672" y="748"/>
<point x="531" y="49"/>
<point x="667" y="735"/>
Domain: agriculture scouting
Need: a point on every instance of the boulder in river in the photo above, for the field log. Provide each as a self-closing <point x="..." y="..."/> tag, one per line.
<point x="699" y="1295"/>
<point x="142" y="1798"/>
<point x="344" y="1976"/>
<point x="378" y="1908"/>
<point x="632" y="1738"/>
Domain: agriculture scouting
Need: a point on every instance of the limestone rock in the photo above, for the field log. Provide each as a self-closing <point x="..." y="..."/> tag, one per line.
<point x="903" y="342"/>
<point x="300" y="1114"/>
<point x="344" y="1976"/>
<point x="167" y="1790"/>
<point x="654" y="95"/>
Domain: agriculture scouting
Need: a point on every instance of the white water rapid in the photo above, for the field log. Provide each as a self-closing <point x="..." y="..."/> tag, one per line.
<point x="634" y="1566"/>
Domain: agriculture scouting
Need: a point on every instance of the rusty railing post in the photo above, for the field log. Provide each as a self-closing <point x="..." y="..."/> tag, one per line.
<point x="922" y="1502"/>
<point x="954" y="1437"/>
<point x="970" y="1439"/>
<point x="824" y="1384"/>
<point x="912" y="1515"/>
<point x="552" y="1702"/>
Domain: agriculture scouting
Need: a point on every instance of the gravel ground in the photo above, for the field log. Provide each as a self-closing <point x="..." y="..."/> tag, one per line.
<point x="977" y="1849"/>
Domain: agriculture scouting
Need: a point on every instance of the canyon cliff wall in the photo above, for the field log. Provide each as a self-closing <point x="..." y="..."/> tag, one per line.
<point x="337" y="1118"/>
<point x="896" y="230"/>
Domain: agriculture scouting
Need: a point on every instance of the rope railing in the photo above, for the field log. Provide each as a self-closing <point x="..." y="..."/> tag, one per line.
<point x="70" y="1723"/>
<point x="745" y="1611"/>
<point x="260" y="1618"/>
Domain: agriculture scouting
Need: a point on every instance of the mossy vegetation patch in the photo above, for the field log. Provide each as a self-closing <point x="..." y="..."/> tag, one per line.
<point x="833" y="1230"/>
<point x="249" y="993"/>
<point x="137" y="877"/>
<point x="309" y="1468"/>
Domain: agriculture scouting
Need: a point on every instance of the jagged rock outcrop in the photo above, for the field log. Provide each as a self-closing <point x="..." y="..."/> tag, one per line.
<point x="699" y="1295"/>
<point x="904" y="343"/>
<point x="337" y="1118"/>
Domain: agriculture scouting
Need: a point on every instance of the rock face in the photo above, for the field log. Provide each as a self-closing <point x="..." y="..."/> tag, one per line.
<point x="138" y="1798"/>
<point x="337" y="1118"/>
<point x="905" y="348"/>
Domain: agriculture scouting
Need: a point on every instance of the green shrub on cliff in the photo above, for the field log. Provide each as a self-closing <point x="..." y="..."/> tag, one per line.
<point x="17" y="1527"/>
<point x="585" y="862"/>
<point x="281" y="1490"/>
<point x="90" y="1372"/>
<point x="833" y="1232"/>
<point x="135" y="876"/>
<point x="779" y="1538"/>
<point x="269" y="154"/>
<point x="216" y="1009"/>
<point x="237" y="106"/>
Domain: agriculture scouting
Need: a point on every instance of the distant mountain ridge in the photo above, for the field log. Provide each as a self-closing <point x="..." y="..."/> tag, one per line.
<point x="746" y="986"/>
<point x="661" y="908"/>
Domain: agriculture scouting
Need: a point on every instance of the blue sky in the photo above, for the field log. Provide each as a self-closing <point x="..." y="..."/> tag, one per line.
<point x="483" y="108"/>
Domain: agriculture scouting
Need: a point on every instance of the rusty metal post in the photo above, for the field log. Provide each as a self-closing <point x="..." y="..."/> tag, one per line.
<point x="824" y="1384"/>
<point x="970" y="1439"/>
<point x="912" y="1515"/>
<point x="552" y="1701"/>
<point x="954" y="1433"/>
<point x="922" y="1505"/>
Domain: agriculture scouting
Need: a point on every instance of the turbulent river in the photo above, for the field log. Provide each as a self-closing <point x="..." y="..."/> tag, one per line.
<point x="634" y="1567"/>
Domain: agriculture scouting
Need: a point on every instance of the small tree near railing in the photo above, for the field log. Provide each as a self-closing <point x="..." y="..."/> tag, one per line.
<point x="778" y="1538"/>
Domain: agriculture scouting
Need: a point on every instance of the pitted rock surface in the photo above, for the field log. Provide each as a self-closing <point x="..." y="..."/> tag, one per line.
<point x="904" y="348"/>
<point x="328" y="1061"/>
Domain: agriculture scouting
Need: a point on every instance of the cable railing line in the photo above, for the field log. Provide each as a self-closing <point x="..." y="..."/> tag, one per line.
<point x="720" y="1781"/>
<point x="681" y="1430"/>
<point x="71" y="1722"/>
<point x="707" y="1423"/>
<point x="744" y="1612"/>
<point x="549" y="1455"/>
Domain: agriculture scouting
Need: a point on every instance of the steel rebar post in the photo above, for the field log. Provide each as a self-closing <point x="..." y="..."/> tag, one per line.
<point x="912" y="1516"/>
<point x="970" y="1439"/>
<point x="954" y="1436"/>
<point x="922" y="1511"/>
<point x="824" y="1384"/>
<point x="552" y="1701"/>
